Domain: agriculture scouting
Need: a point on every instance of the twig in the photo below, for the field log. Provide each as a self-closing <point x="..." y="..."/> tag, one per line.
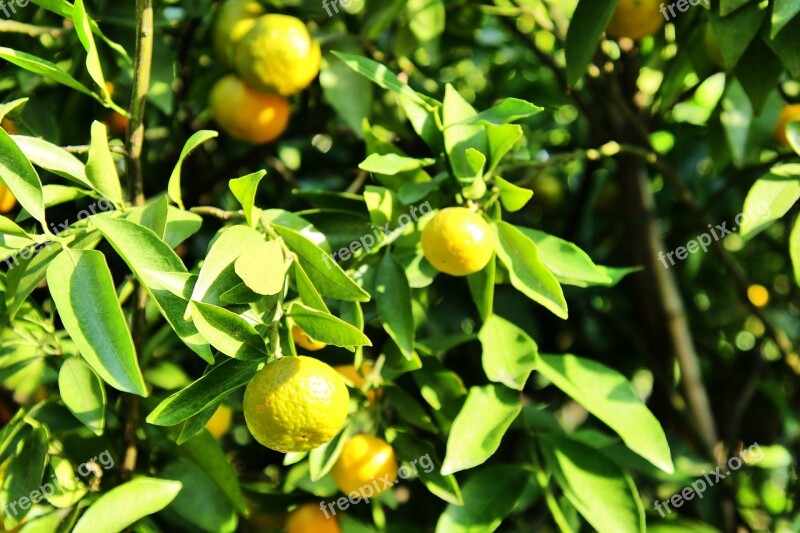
<point x="12" y="26"/>
<point x="84" y="149"/>
<point x="217" y="213"/>
<point x="358" y="182"/>
<point x="283" y="170"/>
<point x="142" y="65"/>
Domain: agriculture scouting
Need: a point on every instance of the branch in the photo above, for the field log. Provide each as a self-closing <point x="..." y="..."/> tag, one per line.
<point x="217" y="213"/>
<point x="134" y="142"/>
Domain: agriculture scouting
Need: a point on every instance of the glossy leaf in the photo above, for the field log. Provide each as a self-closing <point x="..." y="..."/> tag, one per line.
<point x="125" y="504"/>
<point x="393" y="298"/>
<point x="606" y="394"/>
<point x="100" y="168"/>
<point x="174" y="186"/>
<point x="83" y="393"/>
<point x="18" y="175"/>
<point x="84" y="293"/>
<point x="479" y="427"/>
<point x="326" y="328"/>
<point x="509" y="354"/>
<point x="227" y="332"/>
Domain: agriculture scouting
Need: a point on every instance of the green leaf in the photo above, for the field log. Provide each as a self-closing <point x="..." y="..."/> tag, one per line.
<point x="381" y="75"/>
<point x="481" y="287"/>
<point x="409" y="448"/>
<point x="508" y="110"/>
<point x="174" y="187"/>
<point x="145" y="253"/>
<point x="501" y="139"/>
<point x="244" y="189"/>
<point x="222" y="379"/>
<point x="512" y="196"/>
<point x="479" y="427"/>
<point x="596" y="486"/>
<point x="9" y="227"/>
<point x="324" y="327"/>
<point x="308" y="293"/>
<point x="606" y="394"/>
<point x="570" y="264"/>
<point x="783" y="11"/>
<point x="587" y="26"/>
<point x="152" y="216"/>
<point x="23" y="476"/>
<point x="793" y="134"/>
<point x="125" y="504"/>
<point x="53" y="158"/>
<point x="393" y="164"/>
<point x="100" y="168"/>
<point x="228" y="332"/>
<point x="9" y="107"/>
<point x="180" y="226"/>
<point x="489" y="496"/>
<point x="759" y="71"/>
<point x="794" y="249"/>
<point x="426" y="19"/>
<point x="83" y="393"/>
<point x="393" y="299"/>
<point x="327" y="276"/>
<point x="218" y="274"/>
<point x="43" y="68"/>
<point x="460" y="137"/>
<point x="209" y="455"/>
<point x="528" y="274"/>
<point x="736" y="31"/>
<point x="263" y="268"/>
<point x="322" y="458"/>
<point x="408" y="409"/>
<point x="339" y="83"/>
<point x="18" y="175"/>
<point x="84" y="293"/>
<point x="768" y="200"/>
<point x="509" y="354"/>
<point x="202" y="505"/>
<point x="84" y="30"/>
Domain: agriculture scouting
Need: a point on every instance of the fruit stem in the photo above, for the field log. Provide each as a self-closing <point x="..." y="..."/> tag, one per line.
<point x="142" y="65"/>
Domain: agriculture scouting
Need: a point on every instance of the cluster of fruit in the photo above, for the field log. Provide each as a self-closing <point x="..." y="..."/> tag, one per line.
<point x="299" y="403"/>
<point x="273" y="57"/>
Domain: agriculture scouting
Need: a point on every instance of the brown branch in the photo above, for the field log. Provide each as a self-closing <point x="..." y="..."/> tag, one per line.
<point x="134" y="142"/>
<point x="217" y="213"/>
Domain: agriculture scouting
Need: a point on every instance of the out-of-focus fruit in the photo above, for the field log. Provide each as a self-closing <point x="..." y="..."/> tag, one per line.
<point x="278" y="55"/>
<point x="635" y="19"/>
<point x="789" y="113"/>
<point x="234" y="19"/>
<point x="365" y="460"/>
<point x="302" y="340"/>
<point x="246" y="114"/>
<point x="309" y="518"/>
<point x="358" y="379"/>
<point x="220" y="422"/>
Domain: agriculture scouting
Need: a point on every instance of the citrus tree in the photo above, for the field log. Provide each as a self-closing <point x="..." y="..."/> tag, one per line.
<point x="404" y="265"/>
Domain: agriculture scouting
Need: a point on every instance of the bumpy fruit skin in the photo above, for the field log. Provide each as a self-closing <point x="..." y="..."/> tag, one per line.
<point x="295" y="404"/>
<point x="246" y="114"/>
<point x="7" y="200"/>
<point x="304" y="341"/>
<point x="457" y="242"/>
<point x="365" y="459"/>
<point x="234" y="19"/>
<point x="790" y="113"/>
<point x="635" y="19"/>
<point x="358" y="379"/>
<point x="309" y="518"/>
<point x="220" y="422"/>
<point x="278" y="55"/>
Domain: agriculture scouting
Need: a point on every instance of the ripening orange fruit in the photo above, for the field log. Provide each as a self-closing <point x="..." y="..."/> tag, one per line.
<point x="7" y="200"/>
<point x="790" y="113"/>
<point x="246" y="114"/>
